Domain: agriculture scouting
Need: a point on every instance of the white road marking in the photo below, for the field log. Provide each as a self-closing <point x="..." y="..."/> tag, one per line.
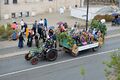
<point x="55" y="63"/>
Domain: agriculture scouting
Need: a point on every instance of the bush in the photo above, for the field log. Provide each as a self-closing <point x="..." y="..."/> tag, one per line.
<point x="5" y="34"/>
<point x="2" y="30"/>
<point x="108" y="18"/>
<point x="112" y="69"/>
<point x="99" y="26"/>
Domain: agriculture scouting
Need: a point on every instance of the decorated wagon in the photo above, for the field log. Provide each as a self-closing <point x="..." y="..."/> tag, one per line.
<point x="72" y="42"/>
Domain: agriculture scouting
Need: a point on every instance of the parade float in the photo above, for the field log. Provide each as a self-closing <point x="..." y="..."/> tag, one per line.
<point x="71" y="41"/>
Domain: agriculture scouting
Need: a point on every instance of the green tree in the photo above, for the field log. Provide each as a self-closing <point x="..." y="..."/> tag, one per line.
<point x="112" y="69"/>
<point x="99" y="26"/>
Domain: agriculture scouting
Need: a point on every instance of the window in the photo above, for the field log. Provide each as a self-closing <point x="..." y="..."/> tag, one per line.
<point x="50" y="0"/>
<point x="6" y="1"/>
<point x="20" y="14"/>
<point x="41" y="0"/>
<point x="13" y="15"/>
<point x="14" y="1"/>
<point x="27" y="14"/>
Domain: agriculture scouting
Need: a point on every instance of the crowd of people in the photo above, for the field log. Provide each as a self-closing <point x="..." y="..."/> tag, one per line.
<point x="40" y="31"/>
<point x="87" y="37"/>
<point x="37" y="32"/>
<point x="83" y="37"/>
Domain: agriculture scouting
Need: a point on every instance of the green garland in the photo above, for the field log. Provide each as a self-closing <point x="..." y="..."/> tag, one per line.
<point x="64" y="35"/>
<point x="99" y="26"/>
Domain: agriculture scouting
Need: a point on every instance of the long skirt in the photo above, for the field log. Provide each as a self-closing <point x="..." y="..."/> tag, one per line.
<point x="20" y="44"/>
<point x="29" y="43"/>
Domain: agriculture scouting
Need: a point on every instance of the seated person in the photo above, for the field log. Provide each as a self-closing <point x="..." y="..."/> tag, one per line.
<point x="51" y="32"/>
<point x="14" y="35"/>
<point x="83" y="41"/>
<point x="90" y="38"/>
<point x="49" y="43"/>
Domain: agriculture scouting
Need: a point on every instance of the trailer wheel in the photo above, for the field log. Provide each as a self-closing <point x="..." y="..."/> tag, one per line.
<point x="27" y="57"/>
<point x="51" y="55"/>
<point x="66" y="50"/>
<point x="34" y="60"/>
<point x="95" y="49"/>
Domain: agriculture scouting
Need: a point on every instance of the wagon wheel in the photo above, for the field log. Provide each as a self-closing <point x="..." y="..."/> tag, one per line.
<point x="66" y="50"/>
<point x="27" y="57"/>
<point x="95" y="49"/>
<point x="51" y="55"/>
<point x="34" y="60"/>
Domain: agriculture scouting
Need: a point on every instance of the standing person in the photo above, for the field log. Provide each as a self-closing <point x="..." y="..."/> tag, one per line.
<point x="41" y="22"/>
<point x="43" y="34"/>
<point x="35" y="25"/>
<point x="76" y="24"/>
<point x="39" y="30"/>
<point x="29" y="41"/>
<point x="45" y="23"/>
<point x="25" y="27"/>
<point x="27" y="32"/>
<point x="36" y="41"/>
<point x="22" y="24"/>
<point x="21" y="39"/>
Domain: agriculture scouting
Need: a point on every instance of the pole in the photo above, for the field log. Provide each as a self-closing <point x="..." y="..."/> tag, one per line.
<point x="87" y="15"/>
<point x="119" y="3"/>
<point x="0" y="8"/>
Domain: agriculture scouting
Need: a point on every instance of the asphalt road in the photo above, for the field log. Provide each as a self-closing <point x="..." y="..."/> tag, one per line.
<point x="10" y="68"/>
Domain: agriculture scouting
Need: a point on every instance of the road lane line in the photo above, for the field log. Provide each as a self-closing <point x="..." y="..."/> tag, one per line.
<point x="55" y="63"/>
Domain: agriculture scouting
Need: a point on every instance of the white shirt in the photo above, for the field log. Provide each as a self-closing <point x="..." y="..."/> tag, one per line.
<point x="41" y="22"/>
<point x="22" y="23"/>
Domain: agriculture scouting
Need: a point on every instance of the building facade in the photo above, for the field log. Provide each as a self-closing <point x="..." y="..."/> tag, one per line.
<point x="22" y="8"/>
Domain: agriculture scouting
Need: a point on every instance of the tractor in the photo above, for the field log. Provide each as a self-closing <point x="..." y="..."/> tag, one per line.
<point x="46" y="51"/>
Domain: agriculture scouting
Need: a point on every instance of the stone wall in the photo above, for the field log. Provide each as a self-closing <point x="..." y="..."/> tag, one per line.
<point x="33" y="7"/>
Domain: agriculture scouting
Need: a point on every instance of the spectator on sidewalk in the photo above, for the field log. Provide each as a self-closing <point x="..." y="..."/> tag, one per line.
<point x="27" y="32"/>
<point x="41" y="22"/>
<point x="39" y="30"/>
<point x="29" y="41"/>
<point x="45" y="23"/>
<point x="14" y="35"/>
<point x="21" y="39"/>
<point x="43" y="35"/>
<point x="25" y="27"/>
<point x="14" y="25"/>
<point x="35" y="26"/>
<point x="36" y="41"/>
<point x="22" y="24"/>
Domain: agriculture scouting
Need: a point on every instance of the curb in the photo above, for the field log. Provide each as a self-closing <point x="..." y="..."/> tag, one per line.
<point x="111" y="36"/>
<point x="13" y="54"/>
<point x="23" y="52"/>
